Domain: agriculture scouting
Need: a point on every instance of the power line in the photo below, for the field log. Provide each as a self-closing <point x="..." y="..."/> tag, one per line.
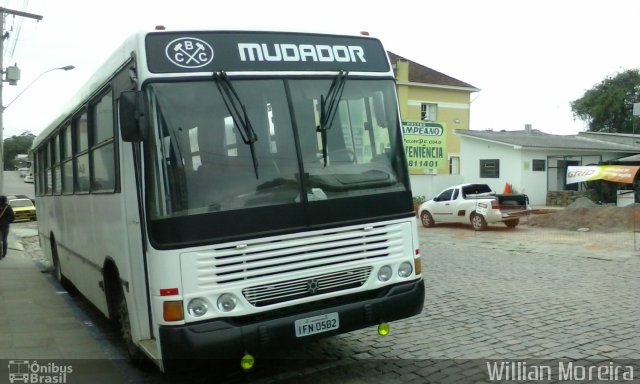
<point x="14" y="32"/>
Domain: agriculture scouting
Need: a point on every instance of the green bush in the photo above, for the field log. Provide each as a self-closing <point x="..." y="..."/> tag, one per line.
<point x="419" y="199"/>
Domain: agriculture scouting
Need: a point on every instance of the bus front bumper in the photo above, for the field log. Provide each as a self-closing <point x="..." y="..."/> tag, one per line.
<point x="230" y="338"/>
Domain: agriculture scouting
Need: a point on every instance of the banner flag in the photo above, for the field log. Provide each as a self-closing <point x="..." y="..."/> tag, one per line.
<point x="615" y="173"/>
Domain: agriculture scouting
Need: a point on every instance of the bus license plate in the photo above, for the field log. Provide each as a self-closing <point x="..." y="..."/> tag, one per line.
<point x="317" y="324"/>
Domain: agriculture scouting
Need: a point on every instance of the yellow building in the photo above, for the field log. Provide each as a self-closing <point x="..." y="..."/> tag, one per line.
<point x="432" y="106"/>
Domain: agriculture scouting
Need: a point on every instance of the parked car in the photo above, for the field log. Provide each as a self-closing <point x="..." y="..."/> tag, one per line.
<point x="476" y="204"/>
<point x="23" y="208"/>
<point x="24" y="171"/>
<point x="28" y="178"/>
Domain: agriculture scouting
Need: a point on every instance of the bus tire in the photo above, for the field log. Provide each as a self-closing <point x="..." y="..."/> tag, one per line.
<point x="57" y="268"/>
<point x="135" y="355"/>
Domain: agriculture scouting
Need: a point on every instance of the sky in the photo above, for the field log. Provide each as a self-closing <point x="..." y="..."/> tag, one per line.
<point x="530" y="59"/>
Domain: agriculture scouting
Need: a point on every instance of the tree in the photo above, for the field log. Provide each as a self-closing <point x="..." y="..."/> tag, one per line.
<point x="608" y="106"/>
<point x="13" y="146"/>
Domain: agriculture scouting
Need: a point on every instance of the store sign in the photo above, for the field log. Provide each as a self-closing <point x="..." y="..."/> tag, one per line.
<point x="615" y="173"/>
<point x="425" y="146"/>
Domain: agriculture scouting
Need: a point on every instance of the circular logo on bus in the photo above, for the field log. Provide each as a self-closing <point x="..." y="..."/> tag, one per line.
<point x="189" y="52"/>
<point x="313" y="286"/>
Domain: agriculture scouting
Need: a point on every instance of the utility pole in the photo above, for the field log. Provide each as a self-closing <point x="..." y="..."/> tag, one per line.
<point x="3" y="12"/>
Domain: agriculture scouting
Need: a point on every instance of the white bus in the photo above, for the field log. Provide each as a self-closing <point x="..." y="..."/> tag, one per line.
<point x="222" y="193"/>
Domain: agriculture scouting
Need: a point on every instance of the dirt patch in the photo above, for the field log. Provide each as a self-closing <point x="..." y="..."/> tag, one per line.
<point x="595" y="218"/>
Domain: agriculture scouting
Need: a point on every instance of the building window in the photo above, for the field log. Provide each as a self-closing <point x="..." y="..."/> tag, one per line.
<point x="454" y="165"/>
<point x="539" y="165"/>
<point x="490" y="168"/>
<point x="429" y="112"/>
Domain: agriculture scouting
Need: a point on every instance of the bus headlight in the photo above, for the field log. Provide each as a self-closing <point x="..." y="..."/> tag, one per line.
<point x="405" y="269"/>
<point x="384" y="273"/>
<point x="227" y="302"/>
<point x="197" y="307"/>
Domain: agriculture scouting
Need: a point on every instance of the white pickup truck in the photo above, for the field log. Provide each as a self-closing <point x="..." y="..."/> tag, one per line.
<point x="476" y="204"/>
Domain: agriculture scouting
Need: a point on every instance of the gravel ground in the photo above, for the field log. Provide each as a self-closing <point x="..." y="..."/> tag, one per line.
<point x="595" y="218"/>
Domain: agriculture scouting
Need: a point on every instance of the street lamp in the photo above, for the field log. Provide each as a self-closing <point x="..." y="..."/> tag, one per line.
<point x="65" y="68"/>
<point x="4" y="108"/>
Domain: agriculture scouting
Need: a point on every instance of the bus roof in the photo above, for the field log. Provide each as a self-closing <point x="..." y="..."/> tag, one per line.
<point x="94" y="84"/>
<point x="200" y="53"/>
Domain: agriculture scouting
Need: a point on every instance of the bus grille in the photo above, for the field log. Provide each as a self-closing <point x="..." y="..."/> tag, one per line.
<point x="277" y="260"/>
<point x="268" y="294"/>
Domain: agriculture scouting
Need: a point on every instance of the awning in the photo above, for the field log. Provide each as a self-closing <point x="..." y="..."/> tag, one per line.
<point x="616" y="173"/>
<point x="628" y="159"/>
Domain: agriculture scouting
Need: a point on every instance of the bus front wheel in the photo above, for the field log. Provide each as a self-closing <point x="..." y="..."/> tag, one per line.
<point x="134" y="353"/>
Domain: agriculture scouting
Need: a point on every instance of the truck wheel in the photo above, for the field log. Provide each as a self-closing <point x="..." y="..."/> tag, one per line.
<point x="426" y="219"/>
<point x="478" y="222"/>
<point x="512" y="223"/>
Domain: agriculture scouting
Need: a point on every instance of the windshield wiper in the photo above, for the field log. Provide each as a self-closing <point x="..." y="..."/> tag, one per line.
<point x="238" y="113"/>
<point x="329" y="107"/>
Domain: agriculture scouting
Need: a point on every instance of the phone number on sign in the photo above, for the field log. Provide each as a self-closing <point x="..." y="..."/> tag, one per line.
<point x="423" y="163"/>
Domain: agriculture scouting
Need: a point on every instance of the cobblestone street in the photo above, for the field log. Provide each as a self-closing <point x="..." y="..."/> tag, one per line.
<point x="529" y="294"/>
<point x="525" y="294"/>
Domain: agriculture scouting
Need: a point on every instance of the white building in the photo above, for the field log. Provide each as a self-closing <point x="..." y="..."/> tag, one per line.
<point x="534" y="162"/>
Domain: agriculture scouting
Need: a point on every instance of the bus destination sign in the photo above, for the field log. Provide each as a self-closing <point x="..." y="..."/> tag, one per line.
<point x="170" y="52"/>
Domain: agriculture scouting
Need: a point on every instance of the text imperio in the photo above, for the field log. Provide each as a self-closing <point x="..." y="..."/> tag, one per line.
<point x="301" y="52"/>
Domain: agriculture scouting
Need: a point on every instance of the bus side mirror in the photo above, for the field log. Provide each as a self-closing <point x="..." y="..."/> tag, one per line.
<point x="131" y="116"/>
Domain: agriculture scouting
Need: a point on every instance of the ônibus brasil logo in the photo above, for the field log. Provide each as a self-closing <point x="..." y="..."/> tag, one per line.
<point x="189" y="52"/>
<point x="24" y="371"/>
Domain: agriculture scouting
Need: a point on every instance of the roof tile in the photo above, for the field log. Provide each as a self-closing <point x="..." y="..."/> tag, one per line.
<point x="537" y="139"/>
<point x="418" y="73"/>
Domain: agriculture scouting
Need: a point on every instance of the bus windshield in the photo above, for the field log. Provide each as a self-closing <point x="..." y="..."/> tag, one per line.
<point x="202" y="162"/>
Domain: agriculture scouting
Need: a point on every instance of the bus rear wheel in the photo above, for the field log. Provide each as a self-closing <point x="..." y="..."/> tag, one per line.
<point x="57" y="268"/>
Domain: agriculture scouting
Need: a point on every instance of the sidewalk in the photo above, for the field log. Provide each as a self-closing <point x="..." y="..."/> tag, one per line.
<point x="38" y="327"/>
